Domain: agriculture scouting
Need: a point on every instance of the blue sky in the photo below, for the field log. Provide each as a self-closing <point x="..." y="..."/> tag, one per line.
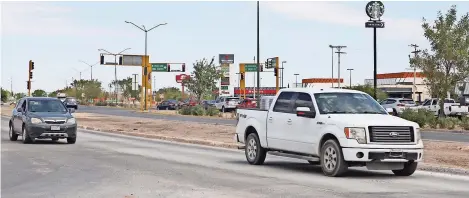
<point x="56" y="35"/>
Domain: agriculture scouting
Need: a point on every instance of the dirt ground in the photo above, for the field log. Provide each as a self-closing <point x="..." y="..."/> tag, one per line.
<point x="226" y="115"/>
<point x="450" y="154"/>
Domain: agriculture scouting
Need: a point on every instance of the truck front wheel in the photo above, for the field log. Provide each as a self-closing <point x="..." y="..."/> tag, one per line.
<point x="408" y="170"/>
<point x="332" y="159"/>
<point x="255" y="154"/>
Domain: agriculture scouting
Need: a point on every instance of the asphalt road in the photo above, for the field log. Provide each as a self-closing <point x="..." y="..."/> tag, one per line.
<point x="442" y="136"/>
<point x="104" y="166"/>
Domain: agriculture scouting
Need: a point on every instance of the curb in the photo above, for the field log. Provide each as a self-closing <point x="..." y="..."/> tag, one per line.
<point x="445" y="131"/>
<point x="422" y="166"/>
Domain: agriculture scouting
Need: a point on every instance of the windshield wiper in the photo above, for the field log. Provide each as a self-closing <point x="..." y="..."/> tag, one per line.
<point x="370" y="112"/>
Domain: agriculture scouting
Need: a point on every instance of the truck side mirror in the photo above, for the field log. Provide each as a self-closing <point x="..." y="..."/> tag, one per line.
<point x="305" y="112"/>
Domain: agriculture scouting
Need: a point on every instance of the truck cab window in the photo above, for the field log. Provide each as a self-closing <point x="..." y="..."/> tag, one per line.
<point x="303" y="100"/>
<point x="284" y="103"/>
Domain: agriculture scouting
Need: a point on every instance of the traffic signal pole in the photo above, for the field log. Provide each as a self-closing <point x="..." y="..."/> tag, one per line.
<point x="30" y="76"/>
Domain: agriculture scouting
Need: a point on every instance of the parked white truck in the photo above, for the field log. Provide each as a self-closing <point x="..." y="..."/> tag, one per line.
<point x="336" y="128"/>
<point x="450" y="107"/>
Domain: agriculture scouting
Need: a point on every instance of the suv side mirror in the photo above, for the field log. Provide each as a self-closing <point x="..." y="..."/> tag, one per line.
<point x="19" y="109"/>
<point x="390" y="110"/>
<point x="71" y="110"/>
<point x="305" y="112"/>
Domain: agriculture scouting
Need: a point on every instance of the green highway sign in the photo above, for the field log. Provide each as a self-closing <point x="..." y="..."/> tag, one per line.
<point x="224" y="87"/>
<point x="250" y="67"/>
<point x="159" y="67"/>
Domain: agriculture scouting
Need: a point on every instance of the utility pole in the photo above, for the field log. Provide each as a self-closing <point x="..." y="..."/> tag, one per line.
<point x="332" y="76"/>
<point x="296" y="80"/>
<point x="11" y="86"/>
<point x="146" y="66"/>
<point x="415" y="52"/>
<point x="258" y="58"/>
<point x="339" y="48"/>
<point x="254" y="84"/>
<point x="350" y="77"/>
<point x="115" y="67"/>
<point x="282" y="72"/>
<point x="91" y="66"/>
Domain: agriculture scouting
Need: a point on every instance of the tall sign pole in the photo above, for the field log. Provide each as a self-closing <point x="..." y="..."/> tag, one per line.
<point x="374" y="10"/>
<point x="258" y="58"/>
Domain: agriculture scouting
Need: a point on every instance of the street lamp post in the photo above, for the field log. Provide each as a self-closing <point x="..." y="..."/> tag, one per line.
<point x="350" y="77"/>
<point x="296" y="80"/>
<point x="115" y="67"/>
<point x="282" y="71"/>
<point x="339" y="48"/>
<point x="91" y="66"/>
<point x="146" y="43"/>
<point x="332" y="76"/>
<point x="258" y="60"/>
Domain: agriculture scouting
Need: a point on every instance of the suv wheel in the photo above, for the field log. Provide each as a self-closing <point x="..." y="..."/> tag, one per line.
<point x="12" y="134"/>
<point x="255" y="154"/>
<point x="332" y="159"/>
<point x="26" y="138"/>
<point x="72" y="140"/>
<point x="408" y="170"/>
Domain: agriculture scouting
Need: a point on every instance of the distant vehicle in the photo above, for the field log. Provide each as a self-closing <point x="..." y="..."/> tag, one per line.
<point x="398" y="105"/>
<point x="450" y="107"/>
<point x="167" y="105"/>
<point x="247" y="103"/>
<point x="61" y="96"/>
<point x="227" y="103"/>
<point x="208" y="103"/>
<point x="71" y="102"/>
<point x="42" y="118"/>
<point x="189" y="102"/>
<point x="333" y="128"/>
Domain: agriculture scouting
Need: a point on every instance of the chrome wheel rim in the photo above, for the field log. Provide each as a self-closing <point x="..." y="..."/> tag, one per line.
<point x="252" y="149"/>
<point x="330" y="158"/>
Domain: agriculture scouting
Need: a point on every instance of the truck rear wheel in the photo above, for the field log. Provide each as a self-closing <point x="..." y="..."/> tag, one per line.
<point x="255" y="154"/>
<point x="332" y="159"/>
<point x="408" y="170"/>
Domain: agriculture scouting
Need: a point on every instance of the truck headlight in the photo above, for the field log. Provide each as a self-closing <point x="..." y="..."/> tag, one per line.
<point x="358" y="134"/>
<point x="71" y="121"/>
<point x="418" y="135"/>
<point x="36" y="120"/>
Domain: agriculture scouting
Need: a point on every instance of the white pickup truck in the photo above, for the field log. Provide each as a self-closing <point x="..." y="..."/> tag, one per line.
<point x="336" y="128"/>
<point x="451" y="108"/>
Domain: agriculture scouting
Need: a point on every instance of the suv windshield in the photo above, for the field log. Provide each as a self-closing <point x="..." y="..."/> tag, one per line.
<point x="46" y="106"/>
<point x="347" y="103"/>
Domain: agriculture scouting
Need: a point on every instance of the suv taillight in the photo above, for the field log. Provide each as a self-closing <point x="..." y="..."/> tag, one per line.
<point x="401" y="105"/>
<point x="226" y="102"/>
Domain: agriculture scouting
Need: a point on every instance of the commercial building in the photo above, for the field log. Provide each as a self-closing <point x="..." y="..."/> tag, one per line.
<point x="400" y="85"/>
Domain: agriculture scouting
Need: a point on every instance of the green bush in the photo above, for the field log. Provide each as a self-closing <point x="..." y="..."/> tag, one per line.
<point x="185" y="110"/>
<point x="433" y="122"/>
<point x="101" y="103"/>
<point x="198" y="110"/>
<point x="464" y="123"/>
<point x="443" y="123"/>
<point x="212" y="111"/>
<point x="453" y="122"/>
<point x="421" y="116"/>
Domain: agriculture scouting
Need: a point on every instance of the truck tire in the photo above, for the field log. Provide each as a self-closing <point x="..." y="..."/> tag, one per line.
<point x="332" y="159"/>
<point x="255" y="154"/>
<point x="408" y="170"/>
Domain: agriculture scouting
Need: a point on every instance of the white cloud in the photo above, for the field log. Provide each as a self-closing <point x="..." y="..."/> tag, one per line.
<point x="35" y="18"/>
<point x="340" y="14"/>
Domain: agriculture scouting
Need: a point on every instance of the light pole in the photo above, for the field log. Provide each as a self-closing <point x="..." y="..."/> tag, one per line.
<point x="332" y="77"/>
<point x="296" y="80"/>
<point x="146" y="43"/>
<point x="258" y="58"/>
<point x="350" y="78"/>
<point x="115" y="67"/>
<point x="91" y="66"/>
<point x="282" y="72"/>
<point x="239" y="83"/>
<point x="339" y="48"/>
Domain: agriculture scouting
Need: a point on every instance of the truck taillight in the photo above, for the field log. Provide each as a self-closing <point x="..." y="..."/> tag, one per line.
<point x="226" y="102"/>
<point x="401" y="105"/>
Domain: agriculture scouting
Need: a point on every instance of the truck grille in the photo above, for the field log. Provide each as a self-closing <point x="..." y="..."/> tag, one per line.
<point x="391" y="134"/>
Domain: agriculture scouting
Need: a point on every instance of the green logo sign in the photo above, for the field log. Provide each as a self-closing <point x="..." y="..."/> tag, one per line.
<point x="250" y="67"/>
<point x="159" y="67"/>
<point x="224" y="87"/>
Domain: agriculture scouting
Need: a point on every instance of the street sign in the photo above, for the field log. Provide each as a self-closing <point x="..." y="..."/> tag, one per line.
<point x="225" y="81"/>
<point x="159" y="67"/>
<point x="132" y="60"/>
<point x="250" y="67"/>
<point x="226" y="58"/>
<point x="374" y="24"/>
<point x="224" y="87"/>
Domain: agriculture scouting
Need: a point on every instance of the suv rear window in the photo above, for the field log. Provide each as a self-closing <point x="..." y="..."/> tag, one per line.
<point x="407" y="101"/>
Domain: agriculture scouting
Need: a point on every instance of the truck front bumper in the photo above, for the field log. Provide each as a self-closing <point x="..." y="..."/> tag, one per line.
<point x="383" y="155"/>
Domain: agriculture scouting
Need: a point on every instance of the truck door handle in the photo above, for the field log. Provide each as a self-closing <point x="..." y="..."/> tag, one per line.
<point x="289" y="121"/>
<point x="319" y="122"/>
<point x="270" y="118"/>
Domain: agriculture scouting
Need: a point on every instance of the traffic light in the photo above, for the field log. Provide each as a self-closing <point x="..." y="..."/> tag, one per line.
<point x="120" y="60"/>
<point x="242" y="76"/>
<point x="101" y="61"/>
<point x="183" y="67"/>
<point x="262" y="68"/>
<point x="28" y="84"/>
<point x="275" y="71"/>
<point x="32" y="65"/>
<point x="169" y="68"/>
<point x="30" y="75"/>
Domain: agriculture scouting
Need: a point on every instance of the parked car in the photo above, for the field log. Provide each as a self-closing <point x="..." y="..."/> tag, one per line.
<point x="398" y="105"/>
<point x="450" y="107"/>
<point x="42" y="118"/>
<point x="247" y="103"/>
<point x="71" y="102"/>
<point x="168" y="105"/>
<point x="189" y="102"/>
<point x="334" y="128"/>
<point x="208" y="103"/>
<point x="227" y="103"/>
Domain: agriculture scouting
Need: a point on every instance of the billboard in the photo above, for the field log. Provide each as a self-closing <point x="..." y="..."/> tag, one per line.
<point x="181" y="77"/>
<point x="226" y="58"/>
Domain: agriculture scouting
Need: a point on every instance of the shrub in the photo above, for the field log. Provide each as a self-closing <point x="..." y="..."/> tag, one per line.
<point x="212" y="111"/>
<point x="443" y="123"/>
<point x="433" y="122"/>
<point x="185" y="110"/>
<point x="452" y="122"/>
<point x="421" y="117"/>
<point x="464" y="123"/>
<point x="198" y="110"/>
<point x="101" y="103"/>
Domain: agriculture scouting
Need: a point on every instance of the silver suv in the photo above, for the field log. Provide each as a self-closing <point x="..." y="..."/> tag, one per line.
<point x="398" y="105"/>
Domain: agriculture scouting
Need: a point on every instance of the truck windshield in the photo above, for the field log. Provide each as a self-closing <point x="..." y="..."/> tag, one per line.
<point x="347" y="103"/>
<point x="46" y="106"/>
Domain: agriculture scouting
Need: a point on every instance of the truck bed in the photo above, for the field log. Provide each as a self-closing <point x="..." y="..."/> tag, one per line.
<point x="254" y="117"/>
